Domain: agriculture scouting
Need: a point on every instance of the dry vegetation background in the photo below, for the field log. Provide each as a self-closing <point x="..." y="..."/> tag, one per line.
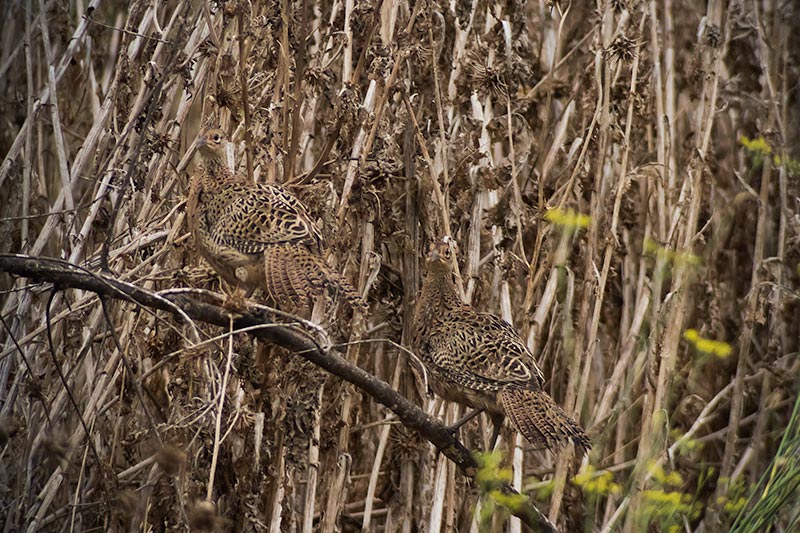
<point x="671" y="124"/>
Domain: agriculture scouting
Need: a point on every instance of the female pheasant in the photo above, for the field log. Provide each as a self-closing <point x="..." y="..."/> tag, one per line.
<point x="257" y="235"/>
<point x="478" y="360"/>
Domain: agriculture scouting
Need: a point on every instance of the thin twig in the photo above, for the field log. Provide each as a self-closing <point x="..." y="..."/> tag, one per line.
<point x="218" y="420"/>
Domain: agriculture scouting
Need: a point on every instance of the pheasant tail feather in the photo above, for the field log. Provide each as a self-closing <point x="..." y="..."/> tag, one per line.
<point x="279" y="286"/>
<point x="294" y="274"/>
<point x="340" y="286"/>
<point x="541" y="421"/>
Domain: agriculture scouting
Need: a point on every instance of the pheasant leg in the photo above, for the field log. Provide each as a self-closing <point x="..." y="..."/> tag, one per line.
<point x="463" y="420"/>
<point x="497" y="423"/>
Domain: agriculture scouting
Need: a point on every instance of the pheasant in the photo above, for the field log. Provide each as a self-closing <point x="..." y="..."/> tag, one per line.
<point x="257" y="235"/>
<point x="478" y="360"/>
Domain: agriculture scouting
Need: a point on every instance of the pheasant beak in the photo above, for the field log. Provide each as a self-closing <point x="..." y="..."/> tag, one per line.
<point x="202" y="141"/>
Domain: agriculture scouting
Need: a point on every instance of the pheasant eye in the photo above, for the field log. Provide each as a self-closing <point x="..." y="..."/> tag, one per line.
<point x="216" y="137"/>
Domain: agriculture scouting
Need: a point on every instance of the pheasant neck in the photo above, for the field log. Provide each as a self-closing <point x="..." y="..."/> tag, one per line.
<point x="216" y="173"/>
<point x="441" y="291"/>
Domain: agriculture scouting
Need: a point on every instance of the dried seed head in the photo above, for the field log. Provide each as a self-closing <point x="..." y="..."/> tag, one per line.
<point x="346" y="105"/>
<point x="231" y="100"/>
<point x="170" y="459"/>
<point x="361" y="17"/>
<point x="204" y="517"/>
<point x="35" y="388"/>
<point x="125" y="507"/>
<point x="55" y="446"/>
<point x="711" y="35"/>
<point x="487" y="78"/>
<point x="382" y="62"/>
<point x="8" y="428"/>
<point x="405" y="443"/>
<point x="620" y="5"/>
<point x="622" y="49"/>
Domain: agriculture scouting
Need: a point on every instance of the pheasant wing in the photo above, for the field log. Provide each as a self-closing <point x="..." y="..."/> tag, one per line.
<point x="255" y="218"/>
<point x="482" y="352"/>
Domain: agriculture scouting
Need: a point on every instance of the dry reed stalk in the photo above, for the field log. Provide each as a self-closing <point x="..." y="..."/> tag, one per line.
<point x="379" y="456"/>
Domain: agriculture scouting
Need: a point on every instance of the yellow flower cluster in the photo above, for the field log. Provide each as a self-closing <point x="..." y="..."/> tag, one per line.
<point x="490" y="478"/>
<point x="685" y="444"/>
<point x="732" y="506"/>
<point x="708" y="346"/>
<point x="664" y="503"/>
<point x="490" y="474"/>
<point x="688" y="258"/>
<point x="673" y="479"/>
<point x="598" y="482"/>
<point x="761" y="150"/>
<point x="758" y="145"/>
<point x="570" y="218"/>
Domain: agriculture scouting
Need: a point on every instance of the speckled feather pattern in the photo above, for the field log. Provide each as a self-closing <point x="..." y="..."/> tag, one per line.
<point x="252" y="218"/>
<point x="258" y="235"/>
<point x="479" y="360"/>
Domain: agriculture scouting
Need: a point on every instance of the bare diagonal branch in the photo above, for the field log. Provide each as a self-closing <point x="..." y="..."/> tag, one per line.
<point x="66" y="275"/>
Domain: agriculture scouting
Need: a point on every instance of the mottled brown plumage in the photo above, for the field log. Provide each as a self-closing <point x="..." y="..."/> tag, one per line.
<point x="257" y="235"/>
<point x="478" y="360"/>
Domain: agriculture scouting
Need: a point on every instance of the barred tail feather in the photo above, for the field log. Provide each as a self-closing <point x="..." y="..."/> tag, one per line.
<point x="283" y="284"/>
<point x="542" y="421"/>
<point x="295" y="275"/>
<point x="340" y="286"/>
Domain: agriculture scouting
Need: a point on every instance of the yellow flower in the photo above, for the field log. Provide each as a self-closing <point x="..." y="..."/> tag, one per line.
<point x="569" y="218"/>
<point x="674" y="479"/>
<point x="708" y="346"/>
<point x="758" y="145"/>
<point x="596" y="482"/>
<point x="662" y="252"/>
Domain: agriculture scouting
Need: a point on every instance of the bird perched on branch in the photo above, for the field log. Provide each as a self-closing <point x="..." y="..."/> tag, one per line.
<point x="478" y="360"/>
<point x="257" y="235"/>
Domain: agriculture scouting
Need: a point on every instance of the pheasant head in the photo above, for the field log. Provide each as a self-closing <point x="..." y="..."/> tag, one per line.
<point x="440" y="256"/>
<point x="211" y="143"/>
